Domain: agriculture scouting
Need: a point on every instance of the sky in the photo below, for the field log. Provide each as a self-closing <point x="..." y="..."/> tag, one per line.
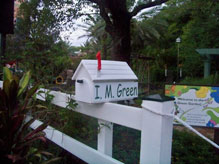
<point x="73" y="37"/>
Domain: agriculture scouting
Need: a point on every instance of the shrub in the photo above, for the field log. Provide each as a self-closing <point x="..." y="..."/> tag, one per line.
<point x="15" y="139"/>
<point x="211" y="80"/>
<point x="191" y="149"/>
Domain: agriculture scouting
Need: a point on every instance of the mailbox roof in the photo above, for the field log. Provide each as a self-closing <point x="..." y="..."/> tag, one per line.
<point x="111" y="70"/>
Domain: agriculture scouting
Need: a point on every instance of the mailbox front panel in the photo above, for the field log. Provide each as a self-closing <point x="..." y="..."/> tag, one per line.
<point x="114" y="91"/>
<point x="83" y="91"/>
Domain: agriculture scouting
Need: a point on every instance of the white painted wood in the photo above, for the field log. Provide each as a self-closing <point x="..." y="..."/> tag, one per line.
<point x="84" y="91"/>
<point x="1" y="84"/>
<point x="111" y="70"/>
<point x="120" y="114"/>
<point x="98" y="92"/>
<point x="156" y="134"/>
<point x="105" y="137"/>
<point x="114" y="91"/>
<point x="113" y="74"/>
<point x="106" y="67"/>
<point x="75" y="147"/>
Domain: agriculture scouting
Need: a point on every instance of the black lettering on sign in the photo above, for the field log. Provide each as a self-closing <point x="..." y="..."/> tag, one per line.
<point x="119" y="92"/>
<point x="108" y="93"/>
<point x="97" y="97"/>
<point x="126" y="91"/>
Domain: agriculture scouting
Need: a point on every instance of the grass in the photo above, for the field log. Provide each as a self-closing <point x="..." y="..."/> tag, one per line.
<point x="188" y="148"/>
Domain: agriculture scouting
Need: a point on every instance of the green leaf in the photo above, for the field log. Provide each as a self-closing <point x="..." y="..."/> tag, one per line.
<point x="46" y="153"/>
<point x="14" y="158"/>
<point x="53" y="160"/>
<point x="23" y="83"/>
<point x="37" y="130"/>
<point x="7" y="75"/>
<point x="17" y="122"/>
<point x="29" y="142"/>
<point x="24" y="129"/>
<point x="32" y="91"/>
<point x="13" y="90"/>
<point x="38" y="155"/>
<point x="41" y="106"/>
<point x="6" y="87"/>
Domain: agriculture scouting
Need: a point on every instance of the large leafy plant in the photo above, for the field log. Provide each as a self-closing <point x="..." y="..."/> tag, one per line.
<point x="15" y="99"/>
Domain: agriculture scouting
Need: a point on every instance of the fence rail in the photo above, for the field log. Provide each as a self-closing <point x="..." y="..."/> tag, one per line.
<point x="131" y="117"/>
<point x="75" y="147"/>
<point x="120" y="114"/>
<point x="154" y="120"/>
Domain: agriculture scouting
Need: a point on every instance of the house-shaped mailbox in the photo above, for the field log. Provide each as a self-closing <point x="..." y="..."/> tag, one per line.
<point x="114" y="82"/>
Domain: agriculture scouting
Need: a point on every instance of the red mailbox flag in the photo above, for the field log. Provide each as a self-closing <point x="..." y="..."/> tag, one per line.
<point x="98" y="56"/>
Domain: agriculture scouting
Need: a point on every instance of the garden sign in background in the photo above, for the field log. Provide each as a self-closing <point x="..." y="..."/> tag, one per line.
<point x="197" y="105"/>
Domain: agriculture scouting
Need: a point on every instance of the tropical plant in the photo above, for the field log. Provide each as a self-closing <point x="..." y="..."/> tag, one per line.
<point x="195" y="22"/>
<point x="98" y="38"/>
<point x="117" y="16"/>
<point x="15" y="138"/>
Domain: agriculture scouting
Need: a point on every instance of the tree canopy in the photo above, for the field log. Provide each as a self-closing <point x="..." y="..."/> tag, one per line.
<point x="154" y="33"/>
<point x="117" y="16"/>
<point x="122" y="29"/>
<point x="36" y="44"/>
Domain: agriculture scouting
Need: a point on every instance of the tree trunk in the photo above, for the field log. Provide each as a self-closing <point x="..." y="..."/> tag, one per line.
<point x="104" y="46"/>
<point x="117" y="18"/>
<point x="119" y="30"/>
<point x="121" y="49"/>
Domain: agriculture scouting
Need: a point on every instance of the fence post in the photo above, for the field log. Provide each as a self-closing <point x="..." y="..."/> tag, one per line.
<point x="105" y="137"/>
<point x="156" y="134"/>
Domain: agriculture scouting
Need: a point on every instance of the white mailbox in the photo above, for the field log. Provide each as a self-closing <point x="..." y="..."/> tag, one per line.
<point x="114" y="82"/>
